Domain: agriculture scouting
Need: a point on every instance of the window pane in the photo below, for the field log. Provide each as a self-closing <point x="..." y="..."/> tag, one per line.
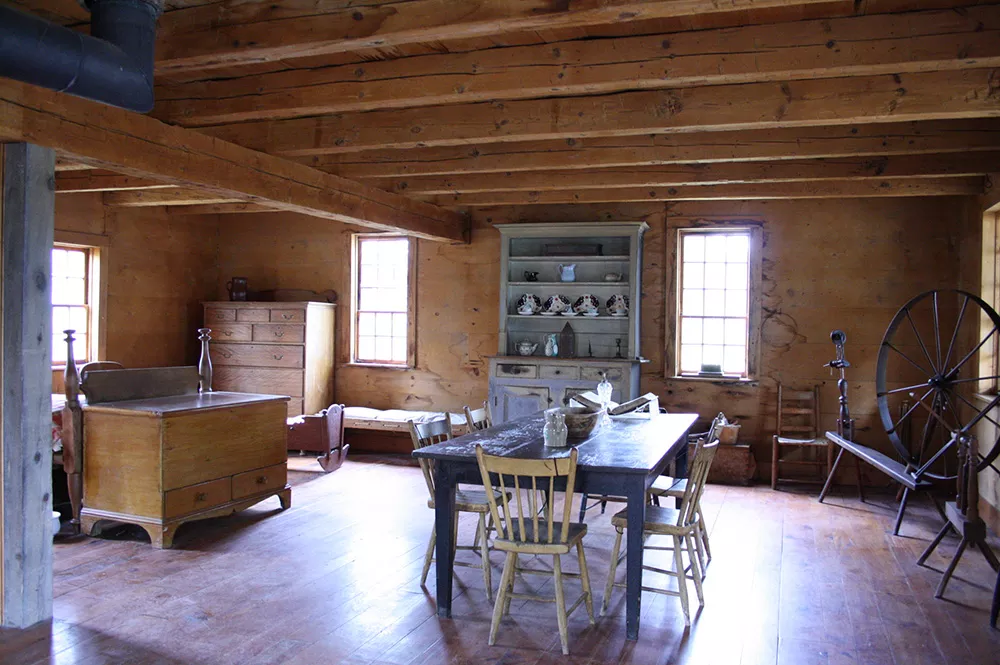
<point x="738" y="248"/>
<point x="694" y="247"/>
<point x="694" y="275"/>
<point x="711" y="355"/>
<point x="76" y="263"/>
<point x="399" y="349"/>
<point x="736" y="303"/>
<point x="78" y="319"/>
<point x="735" y="360"/>
<point x="399" y="325"/>
<point x="715" y="276"/>
<point x="714" y="331"/>
<point x="691" y="331"/>
<point x="58" y="350"/>
<point x="383" y="324"/>
<point x="366" y="348"/>
<point x="736" y="276"/>
<point x="693" y="302"/>
<point x="690" y="358"/>
<point x="60" y="319"/>
<point x="58" y="262"/>
<point x="367" y="300"/>
<point x="736" y="331"/>
<point x="383" y="348"/>
<point x="366" y="324"/>
<point x="715" y="303"/>
<point x="715" y="248"/>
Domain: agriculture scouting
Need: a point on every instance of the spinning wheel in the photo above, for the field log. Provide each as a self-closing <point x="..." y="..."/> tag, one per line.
<point x="927" y="378"/>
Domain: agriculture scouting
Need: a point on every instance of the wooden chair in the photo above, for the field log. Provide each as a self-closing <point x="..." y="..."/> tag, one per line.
<point x="797" y="427"/>
<point x="466" y="501"/>
<point x="520" y="530"/>
<point x="675" y="488"/>
<point x="681" y="524"/>
<point x="479" y="419"/>
<point x="323" y="433"/>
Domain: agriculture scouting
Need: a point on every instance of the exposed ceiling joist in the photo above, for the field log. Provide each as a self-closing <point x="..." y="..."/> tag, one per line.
<point x="856" y="46"/>
<point x="73" y="181"/>
<point x="973" y="93"/>
<point x="176" y="196"/>
<point x="912" y="138"/>
<point x="912" y="166"/>
<point x="238" y="33"/>
<point x="138" y="145"/>
<point x="217" y="209"/>
<point x="967" y="186"/>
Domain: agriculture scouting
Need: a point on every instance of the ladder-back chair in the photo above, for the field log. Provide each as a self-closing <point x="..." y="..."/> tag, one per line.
<point x="479" y="419"/>
<point x="681" y="525"/>
<point x="797" y="428"/>
<point x="520" y="530"/>
<point x="466" y="501"/>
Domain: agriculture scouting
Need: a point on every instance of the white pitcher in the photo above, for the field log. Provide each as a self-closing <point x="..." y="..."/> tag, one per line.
<point x="567" y="273"/>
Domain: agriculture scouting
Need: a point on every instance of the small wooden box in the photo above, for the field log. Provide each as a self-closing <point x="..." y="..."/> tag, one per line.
<point x="729" y="434"/>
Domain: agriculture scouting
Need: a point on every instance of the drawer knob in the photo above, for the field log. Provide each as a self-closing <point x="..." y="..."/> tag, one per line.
<point x="226" y="354"/>
<point x="227" y="333"/>
<point x="261" y="480"/>
<point x="200" y="496"/>
<point x="286" y="317"/>
<point x="279" y="333"/>
<point x="279" y="356"/>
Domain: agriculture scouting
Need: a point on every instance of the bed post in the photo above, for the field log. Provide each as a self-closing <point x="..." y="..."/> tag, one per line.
<point x="205" y="361"/>
<point x="72" y="435"/>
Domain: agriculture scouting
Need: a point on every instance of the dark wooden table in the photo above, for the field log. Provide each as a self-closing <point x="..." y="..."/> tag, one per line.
<point x="622" y="459"/>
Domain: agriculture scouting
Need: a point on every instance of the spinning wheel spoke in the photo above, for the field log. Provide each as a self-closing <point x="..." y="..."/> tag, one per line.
<point x="954" y="335"/>
<point x="971" y="353"/>
<point x="977" y="378"/>
<point x="956" y="425"/>
<point x="937" y="332"/>
<point x="913" y="408"/>
<point x="908" y="359"/>
<point x="920" y="340"/>
<point x="980" y="415"/>
<point x="902" y="390"/>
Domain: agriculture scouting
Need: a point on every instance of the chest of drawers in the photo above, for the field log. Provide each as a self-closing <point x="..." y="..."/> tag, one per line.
<point x="277" y="348"/>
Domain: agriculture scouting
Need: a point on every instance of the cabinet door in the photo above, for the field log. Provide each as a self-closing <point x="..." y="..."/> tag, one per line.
<point x="514" y="402"/>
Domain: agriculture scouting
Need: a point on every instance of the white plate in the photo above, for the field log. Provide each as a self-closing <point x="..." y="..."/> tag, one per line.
<point x="549" y="313"/>
<point x="569" y="312"/>
<point x="591" y="313"/>
<point x="619" y="314"/>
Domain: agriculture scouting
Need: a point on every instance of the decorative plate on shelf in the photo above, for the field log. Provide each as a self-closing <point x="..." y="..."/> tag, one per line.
<point x="556" y="304"/>
<point x="528" y="301"/>
<point x="618" y="305"/>
<point x="586" y="303"/>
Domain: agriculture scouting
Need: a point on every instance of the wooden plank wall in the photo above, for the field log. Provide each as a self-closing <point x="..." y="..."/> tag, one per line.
<point x="160" y="268"/>
<point x="848" y="265"/>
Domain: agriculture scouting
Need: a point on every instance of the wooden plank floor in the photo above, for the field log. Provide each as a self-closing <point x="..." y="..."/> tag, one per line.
<point x="336" y="580"/>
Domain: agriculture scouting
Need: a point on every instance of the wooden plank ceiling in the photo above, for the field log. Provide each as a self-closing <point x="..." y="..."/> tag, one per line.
<point x="460" y="105"/>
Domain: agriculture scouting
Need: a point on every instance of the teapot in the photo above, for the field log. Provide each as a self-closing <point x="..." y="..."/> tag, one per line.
<point x="531" y="275"/>
<point x="526" y="348"/>
<point x="567" y="273"/>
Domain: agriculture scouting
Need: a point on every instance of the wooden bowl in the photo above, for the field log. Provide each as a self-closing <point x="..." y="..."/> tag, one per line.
<point x="580" y="422"/>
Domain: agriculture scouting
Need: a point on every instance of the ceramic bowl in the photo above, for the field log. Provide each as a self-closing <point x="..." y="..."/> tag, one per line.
<point x="529" y="299"/>
<point x="586" y="303"/>
<point x="556" y="304"/>
<point x="580" y="422"/>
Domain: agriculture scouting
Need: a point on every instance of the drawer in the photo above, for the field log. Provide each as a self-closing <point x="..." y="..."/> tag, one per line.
<point x="288" y="315"/>
<point x="295" y="407"/>
<point x="258" y="355"/>
<point x="219" y="314"/>
<point x="231" y="332"/>
<point x="594" y="373"/>
<point x="563" y="372"/>
<point x="252" y="315"/>
<point x="260" y="480"/>
<point x="517" y="371"/>
<point x="258" y="380"/>
<point x="278" y="332"/>
<point x="197" y="497"/>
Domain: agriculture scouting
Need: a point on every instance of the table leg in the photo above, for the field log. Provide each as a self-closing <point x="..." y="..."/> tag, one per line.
<point x="636" y="494"/>
<point x="444" y="514"/>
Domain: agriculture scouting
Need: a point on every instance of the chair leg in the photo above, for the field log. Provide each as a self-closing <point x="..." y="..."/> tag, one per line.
<point x="502" y="597"/>
<point x="560" y="604"/>
<point x="510" y="582"/>
<point x="696" y="573"/>
<point x="681" y="578"/>
<point x="610" y="585"/>
<point x="583" y="506"/>
<point x="585" y="581"/>
<point x="484" y="550"/>
<point x="774" y="463"/>
<point x="428" y="557"/>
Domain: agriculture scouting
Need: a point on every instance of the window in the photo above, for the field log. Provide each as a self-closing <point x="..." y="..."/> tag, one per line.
<point x="716" y="321"/>
<point x="383" y="300"/>
<point x="77" y="296"/>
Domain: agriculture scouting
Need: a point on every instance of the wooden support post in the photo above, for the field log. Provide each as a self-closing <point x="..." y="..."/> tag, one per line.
<point x="26" y="430"/>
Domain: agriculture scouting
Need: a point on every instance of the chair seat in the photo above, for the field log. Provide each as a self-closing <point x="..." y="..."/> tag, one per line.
<point x="527" y="544"/>
<point x="473" y="501"/>
<point x="659" y="519"/>
<point x="667" y="486"/>
<point x="788" y="441"/>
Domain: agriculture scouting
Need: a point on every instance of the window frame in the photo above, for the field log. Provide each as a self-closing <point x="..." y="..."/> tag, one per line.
<point x="411" y="301"/>
<point x="97" y="290"/>
<point x="676" y="230"/>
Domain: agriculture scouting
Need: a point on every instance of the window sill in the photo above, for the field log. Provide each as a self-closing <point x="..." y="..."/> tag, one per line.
<point x="728" y="380"/>
<point x="379" y="366"/>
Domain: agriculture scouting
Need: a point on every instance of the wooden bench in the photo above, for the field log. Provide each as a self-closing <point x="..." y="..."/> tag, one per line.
<point x="388" y="431"/>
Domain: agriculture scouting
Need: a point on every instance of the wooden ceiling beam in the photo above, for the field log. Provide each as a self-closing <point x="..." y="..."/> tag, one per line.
<point x="913" y="138"/>
<point x="96" y="180"/>
<point x="856" y="46"/>
<point x="233" y="32"/>
<point x="913" y="166"/>
<point x="217" y="209"/>
<point x="835" y="189"/>
<point x="973" y="93"/>
<point x="174" y="196"/>
<point x="137" y="145"/>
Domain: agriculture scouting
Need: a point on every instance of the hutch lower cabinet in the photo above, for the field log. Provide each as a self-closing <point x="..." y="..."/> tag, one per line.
<point x="569" y="312"/>
<point x="520" y="386"/>
<point x="275" y="348"/>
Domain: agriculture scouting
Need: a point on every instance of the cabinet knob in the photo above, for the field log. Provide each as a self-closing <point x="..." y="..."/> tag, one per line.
<point x="226" y="354"/>
<point x="279" y="333"/>
<point x="278" y="356"/>
<point x="227" y="333"/>
<point x="200" y="496"/>
<point x="261" y="480"/>
<point x="286" y="317"/>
